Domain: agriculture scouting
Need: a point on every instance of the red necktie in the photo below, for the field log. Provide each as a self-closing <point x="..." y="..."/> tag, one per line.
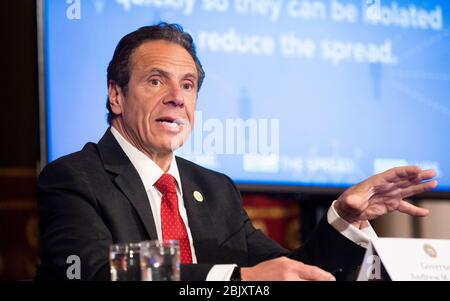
<point x="171" y="222"/>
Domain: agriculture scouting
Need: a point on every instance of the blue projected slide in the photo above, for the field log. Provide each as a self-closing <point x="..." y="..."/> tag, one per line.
<point x="313" y="92"/>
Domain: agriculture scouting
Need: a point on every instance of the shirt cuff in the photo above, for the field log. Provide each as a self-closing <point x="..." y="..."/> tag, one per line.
<point x="360" y="237"/>
<point x="220" y="272"/>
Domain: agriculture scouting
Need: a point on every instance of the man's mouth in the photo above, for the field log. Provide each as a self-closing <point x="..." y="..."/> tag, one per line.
<point x="171" y="123"/>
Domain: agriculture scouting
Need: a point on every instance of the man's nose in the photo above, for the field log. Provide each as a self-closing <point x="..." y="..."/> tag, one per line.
<point x="175" y="97"/>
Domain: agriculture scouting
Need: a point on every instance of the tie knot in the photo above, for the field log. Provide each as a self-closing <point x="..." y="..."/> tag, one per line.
<point x="166" y="184"/>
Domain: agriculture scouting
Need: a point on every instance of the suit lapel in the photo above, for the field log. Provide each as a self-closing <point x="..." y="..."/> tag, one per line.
<point x="199" y="217"/>
<point x="127" y="179"/>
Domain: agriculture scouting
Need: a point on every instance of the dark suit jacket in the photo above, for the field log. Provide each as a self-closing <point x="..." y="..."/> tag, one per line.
<point x="94" y="198"/>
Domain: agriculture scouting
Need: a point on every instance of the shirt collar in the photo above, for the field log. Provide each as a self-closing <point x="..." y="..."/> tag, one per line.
<point x="148" y="170"/>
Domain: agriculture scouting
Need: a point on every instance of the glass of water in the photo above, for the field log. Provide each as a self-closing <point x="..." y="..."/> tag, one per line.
<point x="124" y="260"/>
<point x="160" y="260"/>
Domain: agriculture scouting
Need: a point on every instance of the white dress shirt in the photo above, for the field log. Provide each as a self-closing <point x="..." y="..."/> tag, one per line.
<point x="149" y="172"/>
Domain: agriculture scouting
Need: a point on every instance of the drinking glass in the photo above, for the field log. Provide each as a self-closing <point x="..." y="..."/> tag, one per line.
<point x="160" y="260"/>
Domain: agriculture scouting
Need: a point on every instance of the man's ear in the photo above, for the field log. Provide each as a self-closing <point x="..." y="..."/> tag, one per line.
<point x="116" y="98"/>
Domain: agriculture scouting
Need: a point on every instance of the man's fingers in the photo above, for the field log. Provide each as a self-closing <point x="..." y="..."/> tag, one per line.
<point x="408" y="172"/>
<point x="400" y="173"/>
<point x="309" y="272"/>
<point x="427" y="174"/>
<point x="418" y="188"/>
<point x="422" y="176"/>
<point x="413" y="210"/>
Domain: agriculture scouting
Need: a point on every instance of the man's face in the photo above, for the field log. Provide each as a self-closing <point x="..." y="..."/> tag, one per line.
<point x="158" y="110"/>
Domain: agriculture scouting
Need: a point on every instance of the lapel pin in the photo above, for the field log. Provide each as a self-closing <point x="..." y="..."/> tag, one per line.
<point x="198" y="196"/>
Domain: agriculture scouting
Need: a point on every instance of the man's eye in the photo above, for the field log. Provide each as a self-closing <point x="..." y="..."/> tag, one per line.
<point x="188" y="86"/>
<point x="155" y="82"/>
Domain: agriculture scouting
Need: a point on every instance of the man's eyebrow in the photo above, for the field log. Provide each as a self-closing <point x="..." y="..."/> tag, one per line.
<point x="159" y="71"/>
<point x="191" y="75"/>
<point x="168" y="74"/>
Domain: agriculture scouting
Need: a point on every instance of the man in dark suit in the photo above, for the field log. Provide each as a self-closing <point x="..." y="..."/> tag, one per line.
<point x="130" y="187"/>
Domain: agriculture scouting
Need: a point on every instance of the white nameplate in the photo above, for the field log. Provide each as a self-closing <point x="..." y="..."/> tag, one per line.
<point x="405" y="259"/>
